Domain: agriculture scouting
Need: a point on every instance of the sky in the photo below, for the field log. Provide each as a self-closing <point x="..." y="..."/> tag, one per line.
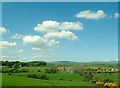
<point x="65" y="31"/>
<point x="60" y="0"/>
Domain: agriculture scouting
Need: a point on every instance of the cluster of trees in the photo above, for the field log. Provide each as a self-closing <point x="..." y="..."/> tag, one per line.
<point x="14" y="70"/>
<point x="36" y="63"/>
<point x="52" y="69"/>
<point x="11" y="64"/>
<point x="23" y="64"/>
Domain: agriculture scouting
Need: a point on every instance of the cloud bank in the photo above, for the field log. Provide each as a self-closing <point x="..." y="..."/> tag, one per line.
<point x="52" y="31"/>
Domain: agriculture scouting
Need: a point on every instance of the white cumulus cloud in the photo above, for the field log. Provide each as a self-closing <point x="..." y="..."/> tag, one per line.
<point x="47" y="26"/>
<point x="71" y="26"/>
<point x="3" y="30"/>
<point x="54" y="26"/>
<point x="52" y="31"/>
<point x="88" y="14"/>
<point x="38" y="41"/>
<point x="5" y="44"/>
<point x="61" y="35"/>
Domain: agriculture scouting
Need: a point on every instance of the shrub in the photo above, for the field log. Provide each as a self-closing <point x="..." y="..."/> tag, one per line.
<point x="18" y="70"/>
<point x="70" y="79"/>
<point x="31" y="76"/>
<point x="99" y="83"/>
<point x="6" y="70"/>
<point x="60" y="79"/>
<point x="111" y="84"/>
<point x="107" y="80"/>
<point x="0" y="70"/>
<point x="9" y="73"/>
<point x="39" y="70"/>
<point x="106" y="84"/>
<point x="43" y="77"/>
<point x="38" y="76"/>
<point x="15" y="70"/>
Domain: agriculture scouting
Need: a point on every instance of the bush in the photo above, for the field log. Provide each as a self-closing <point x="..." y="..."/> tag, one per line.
<point x="19" y="70"/>
<point x="107" y="80"/>
<point x="38" y="76"/>
<point x="15" y="70"/>
<point x="9" y="73"/>
<point x="31" y="76"/>
<point x="60" y="79"/>
<point x="99" y="83"/>
<point x="43" y="77"/>
<point x="0" y="70"/>
<point x="70" y="79"/>
<point x="39" y="70"/>
<point x="4" y="70"/>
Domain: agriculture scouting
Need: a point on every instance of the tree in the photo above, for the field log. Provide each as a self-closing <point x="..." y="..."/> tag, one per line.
<point x="51" y="69"/>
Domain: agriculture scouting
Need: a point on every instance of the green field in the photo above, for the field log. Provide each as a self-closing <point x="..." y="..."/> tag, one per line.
<point x="68" y="79"/>
<point x="112" y="77"/>
<point x="20" y="79"/>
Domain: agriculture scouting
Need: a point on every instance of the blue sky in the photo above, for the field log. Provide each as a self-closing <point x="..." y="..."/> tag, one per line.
<point x="60" y="1"/>
<point x="97" y="41"/>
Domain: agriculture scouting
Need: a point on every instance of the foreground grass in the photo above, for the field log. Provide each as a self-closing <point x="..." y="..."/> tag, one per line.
<point x="20" y="79"/>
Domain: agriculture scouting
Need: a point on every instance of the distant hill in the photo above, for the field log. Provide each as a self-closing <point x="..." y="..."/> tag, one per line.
<point x="93" y="62"/>
<point x="63" y="62"/>
<point x="103" y="62"/>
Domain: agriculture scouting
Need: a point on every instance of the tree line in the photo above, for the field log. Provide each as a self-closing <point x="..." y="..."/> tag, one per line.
<point x="23" y="64"/>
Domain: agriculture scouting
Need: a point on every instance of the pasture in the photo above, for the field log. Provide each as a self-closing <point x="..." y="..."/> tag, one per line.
<point x="21" y="79"/>
<point x="21" y="76"/>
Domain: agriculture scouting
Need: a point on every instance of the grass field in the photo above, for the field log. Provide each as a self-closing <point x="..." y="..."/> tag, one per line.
<point x="69" y="79"/>
<point x="20" y="79"/>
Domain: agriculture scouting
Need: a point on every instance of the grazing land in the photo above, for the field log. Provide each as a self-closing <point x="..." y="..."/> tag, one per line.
<point x="50" y="74"/>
